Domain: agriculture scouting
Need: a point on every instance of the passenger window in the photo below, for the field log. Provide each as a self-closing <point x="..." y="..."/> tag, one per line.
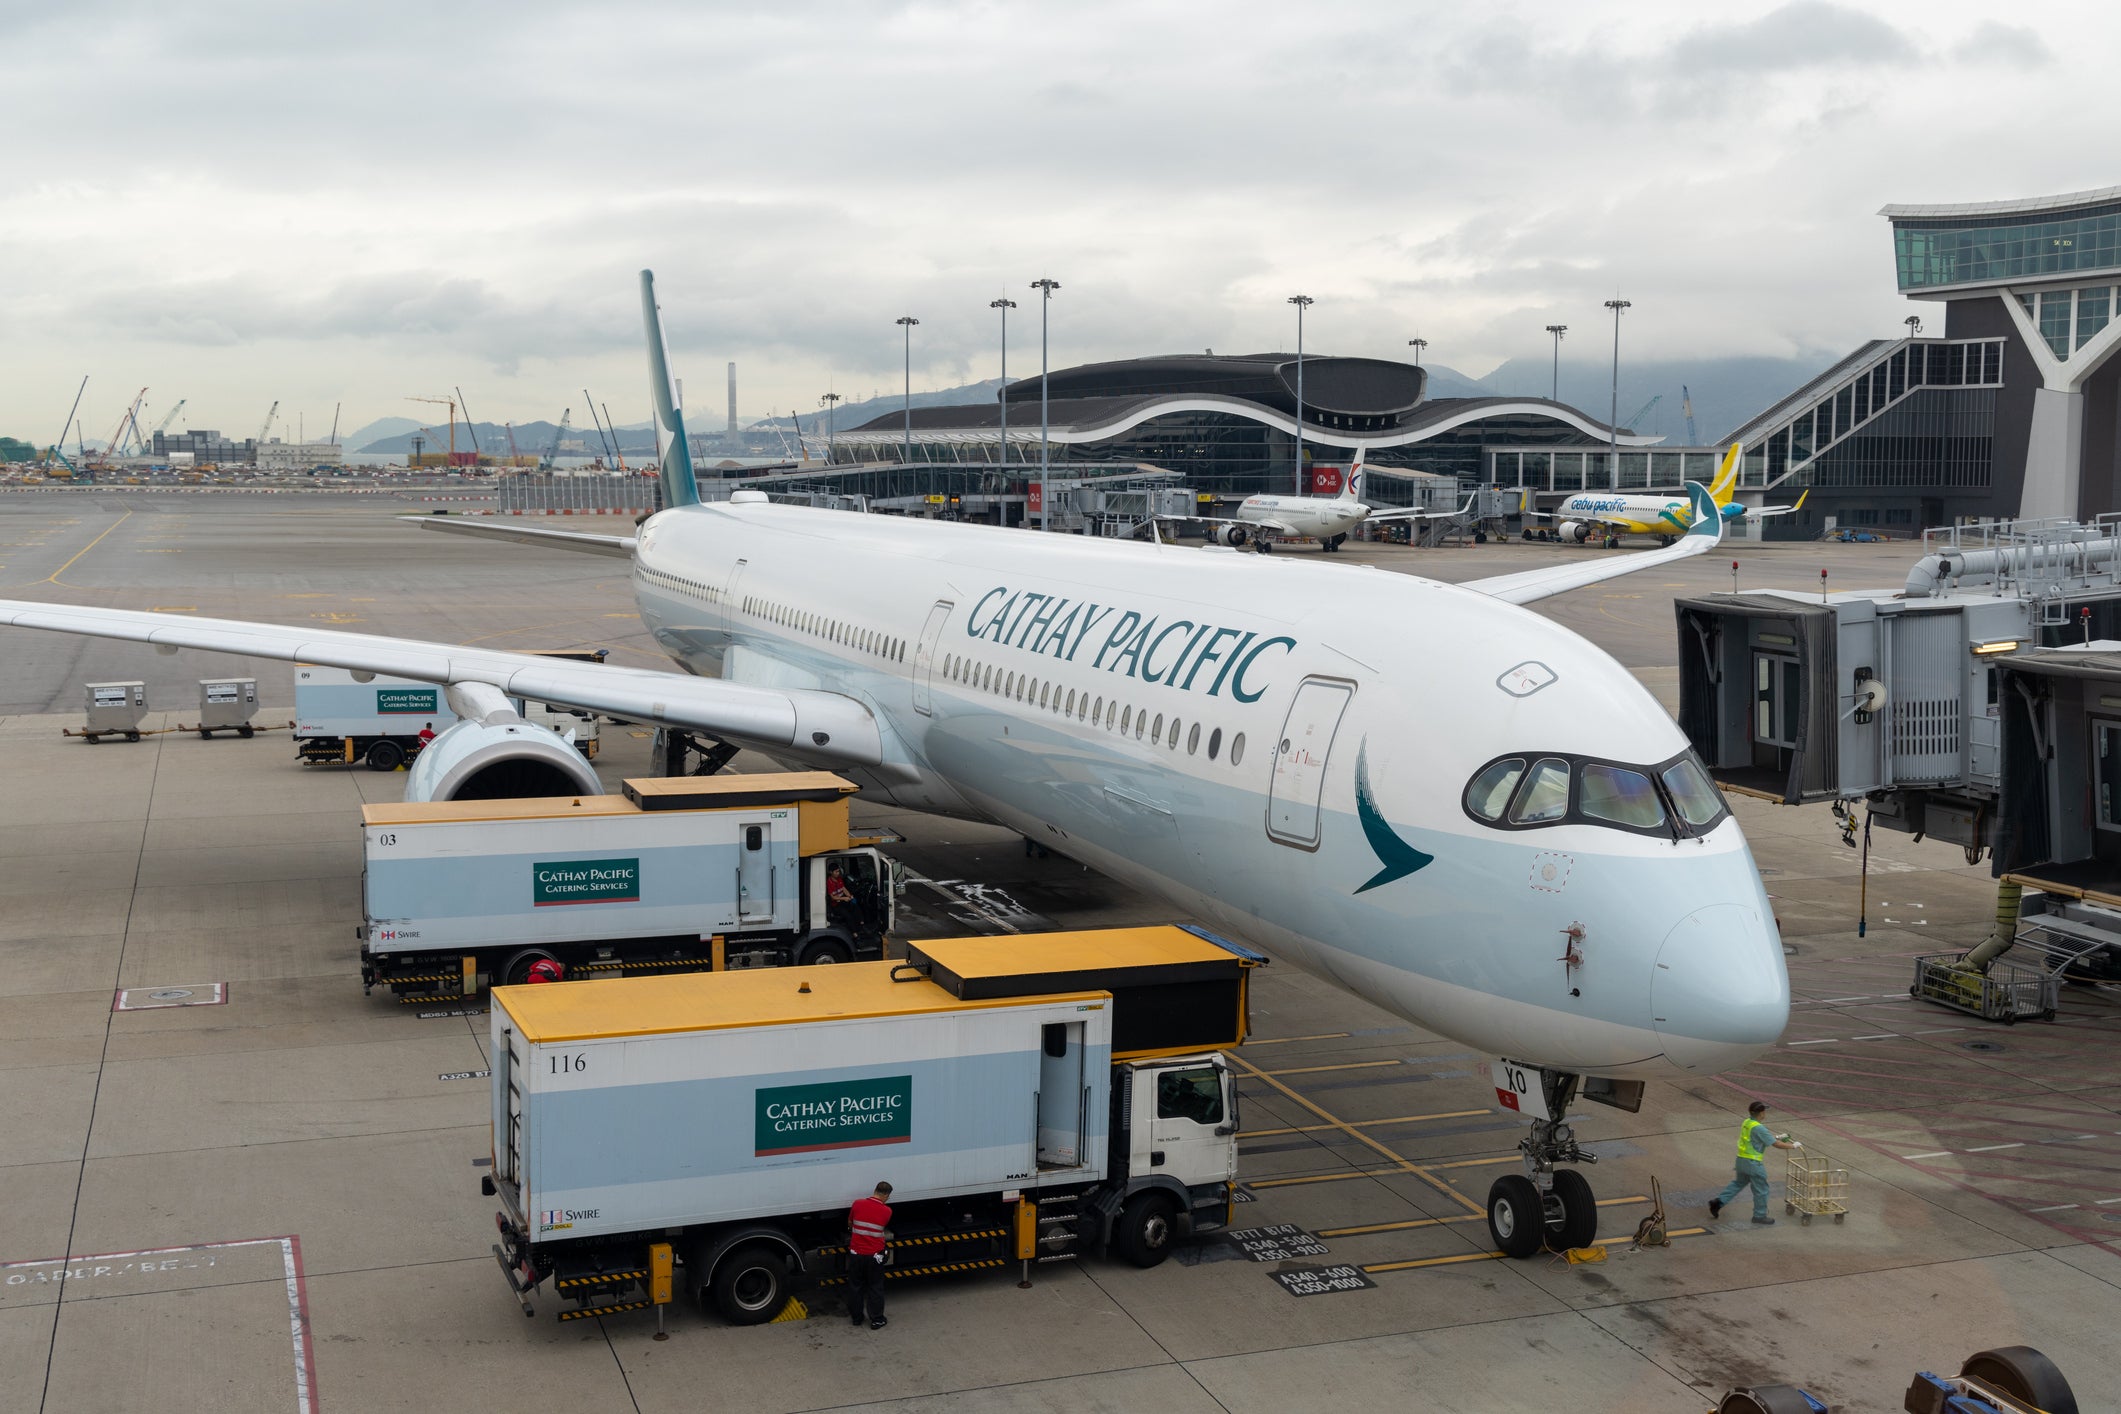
<point x="1159" y="729"/>
<point x="1237" y="749"/>
<point x="1173" y="741"/>
<point x="1126" y="719"/>
<point x="1190" y="1094"/>
<point x="1042" y="694"/>
<point x="1069" y="710"/>
<point x="1215" y="742"/>
<point x="1620" y="796"/>
<point x="1489" y="795"/>
<point x="1545" y="797"/>
<point x="1693" y="795"/>
<point x="1193" y="740"/>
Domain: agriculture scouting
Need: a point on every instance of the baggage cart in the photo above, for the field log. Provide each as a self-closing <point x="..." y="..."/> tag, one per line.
<point x="2002" y="993"/>
<point x="1816" y="1187"/>
<point x="114" y="709"/>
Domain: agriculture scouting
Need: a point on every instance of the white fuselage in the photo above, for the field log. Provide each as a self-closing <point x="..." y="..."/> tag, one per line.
<point x="1194" y="725"/>
<point x="1315" y="517"/>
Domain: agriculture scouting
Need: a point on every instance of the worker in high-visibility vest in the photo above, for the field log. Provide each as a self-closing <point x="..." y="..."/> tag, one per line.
<point x="1754" y="1140"/>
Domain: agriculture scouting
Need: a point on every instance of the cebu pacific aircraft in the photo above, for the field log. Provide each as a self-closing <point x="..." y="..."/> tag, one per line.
<point x="1261" y="520"/>
<point x="1424" y="793"/>
<point x="1608" y="515"/>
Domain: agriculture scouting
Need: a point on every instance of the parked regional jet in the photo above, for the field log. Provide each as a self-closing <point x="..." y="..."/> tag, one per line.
<point x="1263" y="519"/>
<point x="1609" y="515"/>
<point x="1425" y="794"/>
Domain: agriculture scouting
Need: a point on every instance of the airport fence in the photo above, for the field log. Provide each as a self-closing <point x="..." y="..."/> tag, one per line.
<point x="551" y="493"/>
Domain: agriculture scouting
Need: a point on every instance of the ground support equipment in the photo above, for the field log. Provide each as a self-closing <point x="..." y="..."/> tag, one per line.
<point x="1815" y="1187"/>
<point x="2001" y="993"/>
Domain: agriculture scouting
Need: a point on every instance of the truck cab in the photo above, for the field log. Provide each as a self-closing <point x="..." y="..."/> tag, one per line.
<point x="1177" y="1121"/>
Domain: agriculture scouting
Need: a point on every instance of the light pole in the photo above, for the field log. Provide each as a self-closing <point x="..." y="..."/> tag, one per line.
<point x="1302" y="303"/>
<point x="1613" y="422"/>
<point x="1004" y="305"/>
<point x="831" y="403"/>
<point x="1914" y="325"/>
<point x="1417" y="345"/>
<point x="1557" y="330"/>
<point x="908" y="321"/>
<point x="1045" y="290"/>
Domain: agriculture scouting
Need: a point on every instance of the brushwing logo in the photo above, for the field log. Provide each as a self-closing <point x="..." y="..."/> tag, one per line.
<point x="845" y="1114"/>
<point x="1397" y="856"/>
<point x="568" y="881"/>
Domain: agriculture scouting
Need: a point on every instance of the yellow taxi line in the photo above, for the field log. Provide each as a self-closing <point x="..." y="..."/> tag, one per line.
<point x="1360" y="1123"/>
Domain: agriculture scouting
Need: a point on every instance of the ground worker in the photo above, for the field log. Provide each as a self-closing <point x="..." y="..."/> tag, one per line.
<point x="1754" y="1140"/>
<point x="868" y="1232"/>
<point x="427" y="734"/>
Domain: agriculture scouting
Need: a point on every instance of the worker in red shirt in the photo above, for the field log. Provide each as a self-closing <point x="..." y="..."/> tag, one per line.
<point x="868" y="1233"/>
<point x="427" y="734"/>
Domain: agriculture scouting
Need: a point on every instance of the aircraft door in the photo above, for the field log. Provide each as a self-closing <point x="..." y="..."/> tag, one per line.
<point x="924" y="657"/>
<point x="1300" y="761"/>
<point x="1063" y="1100"/>
<point x="755" y="874"/>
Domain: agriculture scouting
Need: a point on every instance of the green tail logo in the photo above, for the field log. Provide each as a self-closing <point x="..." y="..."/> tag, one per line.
<point x="1397" y="856"/>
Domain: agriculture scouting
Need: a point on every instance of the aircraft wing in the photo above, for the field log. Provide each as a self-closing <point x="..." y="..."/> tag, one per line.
<point x="1412" y="514"/>
<point x="1705" y="534"/>
<point x="1779" y="510"/>
<point x="823" y="726"/>
<point x="620" y="546"/>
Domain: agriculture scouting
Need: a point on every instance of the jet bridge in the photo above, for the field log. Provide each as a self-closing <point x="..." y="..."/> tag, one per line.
<point x="1890" y="694"/>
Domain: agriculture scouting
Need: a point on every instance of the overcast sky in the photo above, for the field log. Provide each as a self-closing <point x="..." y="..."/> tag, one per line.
<point x="237" y="202"/>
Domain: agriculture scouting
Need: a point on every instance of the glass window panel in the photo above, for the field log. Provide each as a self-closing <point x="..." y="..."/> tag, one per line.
<point x="1621" y="796"/>
<point x="1696" y="800"/>
<point x="1801" y="438"/>
<point x="1536" y="468"/>
<point x="1545" y="796"/>
<point x="2092" y="313"/>
<point x="1701" y="467"/>
<point x="2054" y="321"/>
<point x="1598" y="471"/>
<point x="1666" y="469"/>
<point x="1568" y="470"/>
<point x="1634" y="471"/>
<point x="1489" y="795"/>
<point x="1896" y="380"/>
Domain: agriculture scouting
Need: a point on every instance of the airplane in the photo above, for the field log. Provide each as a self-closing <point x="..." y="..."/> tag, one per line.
<point x="1423" y="793"/>
<point x="1263" y="518"/>
<point x="1610" y="515"/>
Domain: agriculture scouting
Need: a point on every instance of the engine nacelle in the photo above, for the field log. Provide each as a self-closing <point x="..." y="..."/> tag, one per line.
<point x="1576" y="530"/>
<point x="499" y="759"/>
<point x="1232" y="535"/>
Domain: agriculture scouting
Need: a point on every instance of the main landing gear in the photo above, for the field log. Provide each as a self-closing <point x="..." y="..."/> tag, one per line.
<point x="1544" y="1207"/>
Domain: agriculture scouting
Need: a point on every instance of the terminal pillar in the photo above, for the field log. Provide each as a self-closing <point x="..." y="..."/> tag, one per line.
<point x="2054" y="456"/>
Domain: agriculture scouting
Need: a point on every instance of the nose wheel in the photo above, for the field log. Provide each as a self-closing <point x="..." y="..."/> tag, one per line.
<point x="1546" y="1208"/>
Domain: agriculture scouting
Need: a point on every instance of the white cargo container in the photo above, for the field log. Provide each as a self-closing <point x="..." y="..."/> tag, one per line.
<point x="1028" y="1098"/>
<point x="227" y="704"/>
<point x="114" y="709"/>
<point x="677" y="874"/>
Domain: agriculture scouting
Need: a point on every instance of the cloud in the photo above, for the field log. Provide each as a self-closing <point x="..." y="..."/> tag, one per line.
<point x="2008" y="46"/>
<point x="1805" y="35"/>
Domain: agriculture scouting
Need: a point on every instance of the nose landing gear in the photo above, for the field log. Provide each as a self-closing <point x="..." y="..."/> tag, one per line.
<point x="1544" y="1207"/>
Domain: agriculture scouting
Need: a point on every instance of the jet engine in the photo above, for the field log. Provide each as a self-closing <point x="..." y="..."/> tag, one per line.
<point x="494" y="754"/>
<point x="1233" y="534"/>
<point x="1576" y="530"/>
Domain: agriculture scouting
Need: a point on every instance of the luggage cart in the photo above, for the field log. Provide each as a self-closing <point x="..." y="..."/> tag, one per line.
<point x="1816" y="1188"/>
<point x="2002" y="993"/>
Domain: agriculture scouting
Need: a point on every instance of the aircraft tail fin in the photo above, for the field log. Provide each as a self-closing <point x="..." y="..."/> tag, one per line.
<point x="673" y="449"/>
<point x="1726" y="483"/>
<point x="1351" y="484"/>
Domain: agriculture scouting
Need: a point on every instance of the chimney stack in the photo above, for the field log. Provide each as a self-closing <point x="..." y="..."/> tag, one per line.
<point x="732" y="398"/>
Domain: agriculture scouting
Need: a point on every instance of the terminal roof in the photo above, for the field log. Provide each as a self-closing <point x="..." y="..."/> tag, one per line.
<point x="2023" y="206"/>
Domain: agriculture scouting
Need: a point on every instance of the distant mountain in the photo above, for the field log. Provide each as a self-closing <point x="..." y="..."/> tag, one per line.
<point x="853" y="413"/>
<point x="531" y="439"/>
<point x="382" y="427"/>
<point x="1726" y="391"/>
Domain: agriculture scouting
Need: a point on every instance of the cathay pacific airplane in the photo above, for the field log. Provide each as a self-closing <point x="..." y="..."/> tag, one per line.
<point x="1424" y="793"/>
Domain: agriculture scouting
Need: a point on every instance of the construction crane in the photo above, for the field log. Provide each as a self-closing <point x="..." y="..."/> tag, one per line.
<point x="1686" y="406"/>
<point x="270" y="414"/>
<point x="130" y="418"/>
<point x="552" y="453"/>
<point x="451" y="404"/>
<point x="335" y="423"/>
<point x="618" y="453"/>
<point x="510" y="427"/>
<point x="1635" y="420"/>
<point x="163" y="426"/>
<point x="467" y="422"/>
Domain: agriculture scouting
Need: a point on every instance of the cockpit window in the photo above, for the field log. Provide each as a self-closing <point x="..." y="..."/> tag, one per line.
<point x="1489" y="795"/>
<point x="1673" y="798"/>
<point x="1693" y="795"/>
<point x="1621" y="796"/>
<point x="1545" y="797"/>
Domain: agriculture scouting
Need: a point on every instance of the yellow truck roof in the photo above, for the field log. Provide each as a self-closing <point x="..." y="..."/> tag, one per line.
<point x="713" y="1001"/>
<point x="1091" y="949"/>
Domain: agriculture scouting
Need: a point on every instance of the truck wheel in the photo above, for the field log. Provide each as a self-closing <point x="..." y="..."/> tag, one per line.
<point x="245" y="732"/>
<point x="1147" y="1228"/>
<point x="823" y="950"/>
<point x="519" y="969"/>
<point x="751" y="1285"/>
<point x="385" y="756"/>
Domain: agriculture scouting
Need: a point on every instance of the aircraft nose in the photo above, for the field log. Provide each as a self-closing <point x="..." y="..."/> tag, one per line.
<point x="1720" y="995"/>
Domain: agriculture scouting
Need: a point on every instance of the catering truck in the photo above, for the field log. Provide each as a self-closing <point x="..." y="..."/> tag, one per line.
<point x="376" y="719"/>
<point x="1029" y="1098"/>
<point x="676" y="874"/>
